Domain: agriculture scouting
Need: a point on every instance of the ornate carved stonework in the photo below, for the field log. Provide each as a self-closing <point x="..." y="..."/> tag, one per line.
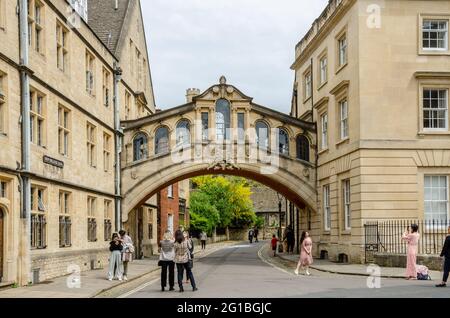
<point x="223" y="165"/>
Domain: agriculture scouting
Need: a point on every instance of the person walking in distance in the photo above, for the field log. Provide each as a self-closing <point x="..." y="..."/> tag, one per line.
<point x="446" y="254"/>
<point x="306" y="254"/>
<point x="255" y="233"/>
<point x="115" y="260"/>
<point x="250" y="236"/>
<point x="290" y="239"/>
<point x="166" y="260"/>
<point x="411" y="236"/>
<point x="127" y="252"/>
<point x="273" y="244"/>
<point x="182" y="256"/>
<point x="203" y="238"/>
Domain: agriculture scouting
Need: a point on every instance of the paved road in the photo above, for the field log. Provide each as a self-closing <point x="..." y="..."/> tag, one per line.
<point x="238" y="272"/>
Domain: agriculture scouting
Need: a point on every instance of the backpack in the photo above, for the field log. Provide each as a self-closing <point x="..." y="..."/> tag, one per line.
<point x="422" y="273"/>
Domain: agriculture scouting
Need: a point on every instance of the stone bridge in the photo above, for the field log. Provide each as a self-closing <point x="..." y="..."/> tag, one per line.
<point x="219" y="131"/>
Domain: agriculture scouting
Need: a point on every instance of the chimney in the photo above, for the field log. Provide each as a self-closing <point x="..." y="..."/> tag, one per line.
<point x="191" y="93"/>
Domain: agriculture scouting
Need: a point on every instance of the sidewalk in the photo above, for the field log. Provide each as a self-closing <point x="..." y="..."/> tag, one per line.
<point x="93" y="282"/>
<point x="354" y="269"/>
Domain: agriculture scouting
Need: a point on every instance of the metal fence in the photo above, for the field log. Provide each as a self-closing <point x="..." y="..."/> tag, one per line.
<point x="386" y="236"/>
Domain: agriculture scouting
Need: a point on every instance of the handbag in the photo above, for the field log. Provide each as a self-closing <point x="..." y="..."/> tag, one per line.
<point x="190" y="264"/>
<point x="160" y="263"/>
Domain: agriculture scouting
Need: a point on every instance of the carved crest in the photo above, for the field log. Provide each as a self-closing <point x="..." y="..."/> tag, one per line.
<point x="223" y="165"/>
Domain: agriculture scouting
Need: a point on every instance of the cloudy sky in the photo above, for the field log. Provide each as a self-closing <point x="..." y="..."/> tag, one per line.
<point x="193" y="42"/>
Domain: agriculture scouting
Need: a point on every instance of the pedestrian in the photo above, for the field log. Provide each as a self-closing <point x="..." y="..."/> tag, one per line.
<point x="182" y="256"/>
<point x="306" y="254"/>
<point x="166" y="260"/>
<point x="290" y="240"/>
<point x="250" y="236"/>
<point x="191" y="252"/>
<point x="203" y="238"/>
<point x="115" y="260"/>
<point x="274" y="243"/>
<point x="255" y="233"/>
<point x="446" y="254"/>
<point x="127" y="252"/>
<point x="411" y="236"/>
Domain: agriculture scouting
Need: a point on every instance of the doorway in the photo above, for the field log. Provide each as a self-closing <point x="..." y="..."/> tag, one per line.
<point x="1" y="244"/>
<point x="140" y="234"/>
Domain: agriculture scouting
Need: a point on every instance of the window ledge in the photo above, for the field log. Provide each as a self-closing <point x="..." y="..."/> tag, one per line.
<point x="343" y="141"/>
<point x="5" y="135"/>
<point x="326" y="232"/>
<point x="341" y="68"/>
<point x="434" y="52"/>
<point x="434" y="133"/>
<point x="347" y="232"/>
<point x="306" y="100"/>
<point x="322" y="85"/>
<point x="323" y="151"/>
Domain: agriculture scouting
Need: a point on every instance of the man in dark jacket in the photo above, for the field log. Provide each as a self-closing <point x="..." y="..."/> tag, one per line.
<point x="446" y="253"/>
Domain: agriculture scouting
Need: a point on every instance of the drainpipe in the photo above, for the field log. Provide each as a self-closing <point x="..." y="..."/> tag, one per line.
<point x="117" y="148"/>
<point x="24" y="257"/>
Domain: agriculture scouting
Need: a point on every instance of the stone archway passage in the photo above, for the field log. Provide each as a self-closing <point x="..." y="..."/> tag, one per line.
<point x="274" y="162"/>
<point x="1" y="243"/>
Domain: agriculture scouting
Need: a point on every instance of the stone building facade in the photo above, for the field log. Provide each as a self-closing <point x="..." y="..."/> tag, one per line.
<point x="375" y="77"/>
<point x="73" y="65"/>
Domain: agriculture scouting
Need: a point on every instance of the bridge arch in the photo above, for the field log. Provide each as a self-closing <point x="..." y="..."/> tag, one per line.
<point x="207" y="153"/>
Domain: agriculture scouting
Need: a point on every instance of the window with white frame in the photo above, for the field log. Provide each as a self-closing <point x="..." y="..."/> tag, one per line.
<point x="2" y="103"/>
<point x="63" y="130"/>
<point x="436" y="198"/>
<point x="342" y="49"/>
<point x="106" y="87"/>
<point x="346" y="203"/>
<point x="37" y="118"/>
<point x="324" y="131"/>
<point x="323" y="65"/>
<point x="90" y="143"/>
<point x="435" y="34"/>
<point x="92" y="221"/>
<point x="90" y="73"/>
<point x="65" y="222"/>
<point x="435" y="109"/>
<point x="62" y="49"/>
<point x="326" y="208"/>
<point x="2" y="14"/>
<point x="308" y="85"/>
<point x="3" y="189"/>
<point x="343" y="114"/>
<point x="38" y="217"/>
<point x="170" y="191"/>
<point x="106" y="151"/>
<point x="36" y="25"/>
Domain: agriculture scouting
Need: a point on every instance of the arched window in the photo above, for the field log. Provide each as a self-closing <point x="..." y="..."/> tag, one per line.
<point x="262" y="134"/>
<point x="161" y="140"/>
<point x="222" y="119"/>
<point x="283" y="142"/>
<point x="183" y="133"/>
<point x="140" y="147"/>
<point x="303" y="148"/>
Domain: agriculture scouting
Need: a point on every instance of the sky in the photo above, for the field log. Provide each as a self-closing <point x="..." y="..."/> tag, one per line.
<point x="252" y="42"/>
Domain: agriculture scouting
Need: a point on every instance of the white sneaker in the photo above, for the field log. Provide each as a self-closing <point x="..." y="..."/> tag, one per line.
<point x="125" y="278"/>
<point x="120" y="278"/>
<point x="308" y="273"/>
<point x="110" y="279"/>
<point x="296" y="272"/>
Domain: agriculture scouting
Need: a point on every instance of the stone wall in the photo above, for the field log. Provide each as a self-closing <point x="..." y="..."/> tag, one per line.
<point x="54" y="265"/>
<point x="433" y="262"/>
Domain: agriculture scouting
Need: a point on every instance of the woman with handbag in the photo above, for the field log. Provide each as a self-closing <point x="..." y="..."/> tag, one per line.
<point x="115" y="261"/>
<point x="411" y="236"/>
<point x="191" y="252"/>
<point x="166" y="258"/>
<point x="182" y="257"/>
<point x="127" y="252"/>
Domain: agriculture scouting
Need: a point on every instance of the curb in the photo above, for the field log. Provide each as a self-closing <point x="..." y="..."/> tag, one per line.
<point x="342" y="273"/>
<point x="98" y="293"/>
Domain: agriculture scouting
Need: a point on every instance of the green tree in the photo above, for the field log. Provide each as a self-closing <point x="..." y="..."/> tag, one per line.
<point x="203" y="215"/>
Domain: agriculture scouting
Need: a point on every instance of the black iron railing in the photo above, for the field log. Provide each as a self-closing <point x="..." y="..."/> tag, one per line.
<point x="386" y="236"/>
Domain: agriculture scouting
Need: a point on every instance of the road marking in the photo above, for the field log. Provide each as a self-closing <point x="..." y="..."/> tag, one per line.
<point x="138" y="289"/>
<point x="274" y="266"/>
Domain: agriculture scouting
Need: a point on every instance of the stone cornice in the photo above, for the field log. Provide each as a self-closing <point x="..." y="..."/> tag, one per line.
<point x="432" y="75"/>
<point x="340" y="87"/>
<point x="321" y="102"/>
<point x="323" y="31"/>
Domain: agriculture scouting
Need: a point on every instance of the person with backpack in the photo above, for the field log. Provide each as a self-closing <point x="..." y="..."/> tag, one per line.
<point x="127" y="252"/>
<point x="446" y="253"/>
<point x="250" y="236"/>
<point x="182" y="256"/>
<point x="191" y="252"/>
